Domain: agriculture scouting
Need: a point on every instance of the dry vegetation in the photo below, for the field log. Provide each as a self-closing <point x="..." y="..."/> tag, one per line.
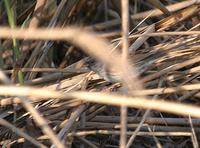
<point x="51" y="98"/>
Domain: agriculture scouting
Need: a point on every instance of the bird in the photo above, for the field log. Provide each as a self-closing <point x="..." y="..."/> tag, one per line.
<point x="109" y="74"/>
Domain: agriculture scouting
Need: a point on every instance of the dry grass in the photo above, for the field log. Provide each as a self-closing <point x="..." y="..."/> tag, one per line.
<point x="50" y="98"/>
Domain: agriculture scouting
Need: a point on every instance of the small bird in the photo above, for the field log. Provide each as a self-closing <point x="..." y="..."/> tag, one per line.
<point x="108" y="74"/>
<point x="99" y="68"/>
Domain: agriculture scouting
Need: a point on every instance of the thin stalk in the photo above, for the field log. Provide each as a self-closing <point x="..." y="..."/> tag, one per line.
<point x="16" y="51"/>
<point x="125" y="46"/>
